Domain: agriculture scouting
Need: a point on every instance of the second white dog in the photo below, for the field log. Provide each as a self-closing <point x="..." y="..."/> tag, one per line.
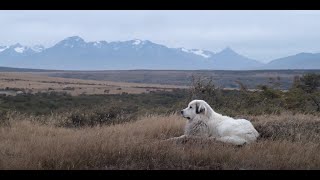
<point x="203" y="121"/>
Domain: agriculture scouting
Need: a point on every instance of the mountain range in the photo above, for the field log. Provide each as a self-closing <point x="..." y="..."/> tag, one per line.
<point x="73" y="53"/>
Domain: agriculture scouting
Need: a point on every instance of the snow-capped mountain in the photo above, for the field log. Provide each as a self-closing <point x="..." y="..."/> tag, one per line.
<point x="74" y="53"/>
<point x="38" y="48"/>
<point x="2" y="48"/>
<point x="199" y="52"/>
<point x="16" y="50"/>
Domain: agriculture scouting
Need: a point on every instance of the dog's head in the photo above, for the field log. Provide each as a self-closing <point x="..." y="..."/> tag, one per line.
<point x="195" y="108"/>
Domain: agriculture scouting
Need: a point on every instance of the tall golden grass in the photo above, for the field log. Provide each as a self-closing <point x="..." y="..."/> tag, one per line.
<point x="288" y="141"/>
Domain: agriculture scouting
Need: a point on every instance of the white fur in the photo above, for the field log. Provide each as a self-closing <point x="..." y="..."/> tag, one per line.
<point x="208" y="123"/>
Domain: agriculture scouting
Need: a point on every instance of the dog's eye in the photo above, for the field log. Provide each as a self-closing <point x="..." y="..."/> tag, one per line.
<point x="190" y="107"/>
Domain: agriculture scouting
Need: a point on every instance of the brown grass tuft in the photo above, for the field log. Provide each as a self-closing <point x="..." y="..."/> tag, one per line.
<point x="287" y="142"/>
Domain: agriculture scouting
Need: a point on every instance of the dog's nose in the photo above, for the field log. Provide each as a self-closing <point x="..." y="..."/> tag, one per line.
<point x="182" y="112"/>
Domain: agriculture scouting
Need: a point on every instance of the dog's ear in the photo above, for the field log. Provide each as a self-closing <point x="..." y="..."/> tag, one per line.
<point x="200" y="108"/>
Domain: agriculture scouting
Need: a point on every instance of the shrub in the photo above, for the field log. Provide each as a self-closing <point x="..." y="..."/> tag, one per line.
<point x="105" y="115"/>
<point x="69" y="88"/>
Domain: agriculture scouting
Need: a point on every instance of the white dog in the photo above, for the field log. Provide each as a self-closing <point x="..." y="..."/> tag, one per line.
<point x="203" y="121"/>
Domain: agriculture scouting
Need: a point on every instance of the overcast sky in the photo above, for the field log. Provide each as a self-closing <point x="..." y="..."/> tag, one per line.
<point x="261" y="35"/>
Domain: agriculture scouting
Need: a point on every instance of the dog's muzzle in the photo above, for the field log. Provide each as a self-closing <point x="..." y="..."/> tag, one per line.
<point x="183" y="115"/>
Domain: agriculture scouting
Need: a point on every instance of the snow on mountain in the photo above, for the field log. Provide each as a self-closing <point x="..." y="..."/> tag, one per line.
<point x="137" y="42"/>
<point x="97" y="44"/>
<point x="74" y="53"/>
<point x="20" y="49"/>
<point x="2" y="48"/>
<point x="199" y="52"/>
<point x="38" y="48"/>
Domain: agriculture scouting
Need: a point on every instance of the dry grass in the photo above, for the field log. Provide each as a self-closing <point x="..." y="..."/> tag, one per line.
<point x="39" y="82"/>
<point x="288" y="142"/>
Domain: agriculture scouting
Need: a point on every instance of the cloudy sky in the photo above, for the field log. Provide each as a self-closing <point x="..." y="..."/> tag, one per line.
<point x="261" y="35"/>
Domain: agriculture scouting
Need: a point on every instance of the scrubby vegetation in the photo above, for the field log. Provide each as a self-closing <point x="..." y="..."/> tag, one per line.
<point x="302" y="97"/>
<point x="222" y="78"/>
<point x="125" y="131"/>
<point x="90" y="110"/>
